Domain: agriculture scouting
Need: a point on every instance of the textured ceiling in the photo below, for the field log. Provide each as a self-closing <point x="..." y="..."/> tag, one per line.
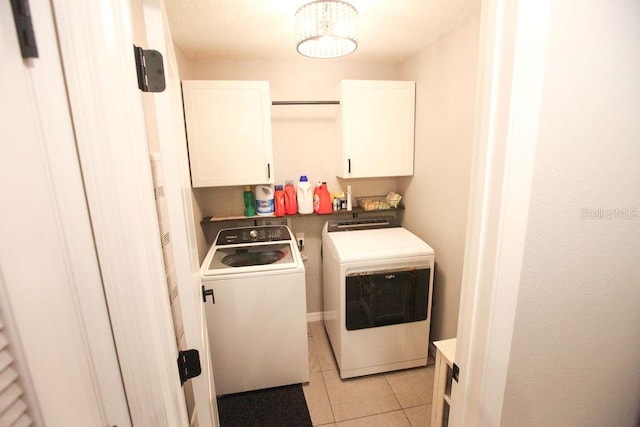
<point x="390" y="31"/>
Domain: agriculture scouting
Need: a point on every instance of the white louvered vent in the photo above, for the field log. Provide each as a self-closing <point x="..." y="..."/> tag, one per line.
<point x="159" y="192"/>
<point x="13" y="408"/>
<point x="166" y="239"/>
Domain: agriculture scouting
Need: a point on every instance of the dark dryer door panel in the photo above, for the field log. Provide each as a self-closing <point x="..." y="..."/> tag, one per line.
<point x="386" y="298"/>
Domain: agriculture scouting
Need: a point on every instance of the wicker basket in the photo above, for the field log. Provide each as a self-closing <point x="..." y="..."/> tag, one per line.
<point x="376" y="203"/>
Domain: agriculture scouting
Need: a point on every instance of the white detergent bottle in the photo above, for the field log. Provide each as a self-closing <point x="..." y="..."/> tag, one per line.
<point x="264" y="200"/>
<point x="305" y="196"/>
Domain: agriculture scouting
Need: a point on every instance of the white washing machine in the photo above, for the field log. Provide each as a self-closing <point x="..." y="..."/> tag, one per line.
<point x="258" y="324"/>
<point x="377" y="280"/>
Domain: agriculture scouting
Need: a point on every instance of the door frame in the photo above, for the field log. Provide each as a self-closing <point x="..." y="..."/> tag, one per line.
<point x="512" y="54"/>
<point x="168" y="118"/>
<point x="96" y="44"/>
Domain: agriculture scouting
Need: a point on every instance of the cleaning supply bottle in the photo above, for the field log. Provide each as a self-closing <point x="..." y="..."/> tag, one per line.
<point x="278" y="201"/>
<point x="249" y="201"/>
<point x="322" y="199"/>
<point x="305" y="196"/>
<point x="316" y="197"/>
<point x="290" y="199"/>
<point x="264" y="200"/>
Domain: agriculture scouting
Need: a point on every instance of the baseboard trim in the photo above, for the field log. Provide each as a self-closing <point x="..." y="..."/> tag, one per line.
<point x="315" y="317"/>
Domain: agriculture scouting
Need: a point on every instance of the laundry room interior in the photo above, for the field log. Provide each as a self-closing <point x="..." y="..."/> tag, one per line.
<point x="304" y="140"/>
<point x="434" y="198"/>
<point x="432" y="221"/>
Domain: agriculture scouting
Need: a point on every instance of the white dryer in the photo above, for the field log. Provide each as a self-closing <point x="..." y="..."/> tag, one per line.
<point x="258" y="324"/>
<point x="377" y="280"/>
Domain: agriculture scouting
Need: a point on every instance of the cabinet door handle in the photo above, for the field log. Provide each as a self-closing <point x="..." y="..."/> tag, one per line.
<point x="269" y="170"/>
<point x="349" y="167"/>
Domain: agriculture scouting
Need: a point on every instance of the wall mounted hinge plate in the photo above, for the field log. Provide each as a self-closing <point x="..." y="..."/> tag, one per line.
<point x="150" y="70"/>
<point x="24" y="28"/>
<point x="188" y="365"/>
<point x="455" y="372"/>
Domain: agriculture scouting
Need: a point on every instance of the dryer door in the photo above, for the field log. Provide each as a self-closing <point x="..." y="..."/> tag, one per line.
<point x="386" y="298"/>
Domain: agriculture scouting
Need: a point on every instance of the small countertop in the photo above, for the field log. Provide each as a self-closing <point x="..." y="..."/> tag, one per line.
<point x="447" y="348"/>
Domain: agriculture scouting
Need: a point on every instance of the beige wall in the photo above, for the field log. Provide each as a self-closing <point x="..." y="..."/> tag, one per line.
<point x="303" y="142"/>
<point x="436" y="196"/>
<point x="184" y="69"/>
<point x="303" y="138"/>
<point x="184" y="63"/>
<point x="576" y="338"/>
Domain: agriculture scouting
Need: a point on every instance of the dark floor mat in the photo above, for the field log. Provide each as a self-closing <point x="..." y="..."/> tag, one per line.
<point x="271" y="407"/>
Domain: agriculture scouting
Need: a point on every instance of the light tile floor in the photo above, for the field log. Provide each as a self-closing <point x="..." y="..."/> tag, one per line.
<point x="401" y="398"/>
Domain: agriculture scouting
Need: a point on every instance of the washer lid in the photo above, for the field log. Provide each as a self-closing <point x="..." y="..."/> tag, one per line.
<point x="247" y="258"/>
<point x="377" y="244"/>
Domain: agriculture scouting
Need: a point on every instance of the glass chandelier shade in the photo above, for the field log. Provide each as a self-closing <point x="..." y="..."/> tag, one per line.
<point x="326" y="29"/>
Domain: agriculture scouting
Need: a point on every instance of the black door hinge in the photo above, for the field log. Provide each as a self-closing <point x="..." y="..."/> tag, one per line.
<point x="455" y="372"/>
<point x="188" y="365"/>
<point x="150" y="70"/>
<point x="24" y="28"/>
<point x="208" y="293"/>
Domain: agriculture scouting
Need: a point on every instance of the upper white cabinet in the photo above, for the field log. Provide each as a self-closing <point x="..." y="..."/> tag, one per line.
<point x="229" y="132"/>
<point x="375" y="128"/>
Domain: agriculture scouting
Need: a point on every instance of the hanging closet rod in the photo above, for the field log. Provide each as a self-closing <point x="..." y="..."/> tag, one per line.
<point x="305" y="102"/>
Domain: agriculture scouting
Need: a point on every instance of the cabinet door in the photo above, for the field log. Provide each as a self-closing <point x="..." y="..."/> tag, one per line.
<point x="229" y="132"/>
<point x="377" y="128"/>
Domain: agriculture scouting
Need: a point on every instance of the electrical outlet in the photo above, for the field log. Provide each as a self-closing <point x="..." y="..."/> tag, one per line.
<point x="300" y="240"/>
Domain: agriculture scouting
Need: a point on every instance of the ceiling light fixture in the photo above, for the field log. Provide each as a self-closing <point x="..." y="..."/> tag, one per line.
<point x="326" y="29"/>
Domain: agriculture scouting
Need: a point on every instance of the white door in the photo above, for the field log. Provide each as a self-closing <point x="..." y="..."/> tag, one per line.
<point x="96" y="45"/>
<point x="54" y="257"/>
<point x="51" y="296"/>
<point x="165" y="125"/>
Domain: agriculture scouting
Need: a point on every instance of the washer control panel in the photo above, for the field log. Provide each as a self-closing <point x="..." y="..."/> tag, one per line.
<point x="268" y="233"/>
<point x="362" y="224"/>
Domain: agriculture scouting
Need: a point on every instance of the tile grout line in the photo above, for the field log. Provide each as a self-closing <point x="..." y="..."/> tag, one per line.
<point x="324" y="380"/>
<point x="397" y="400"/>
<point x="324" y="383"/>
<point x="373" y="415"/>
<point x="392" y="391"/>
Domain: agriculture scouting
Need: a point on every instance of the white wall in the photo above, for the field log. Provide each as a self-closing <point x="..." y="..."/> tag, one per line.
<point x="436" y="196"/>
<point x="576" y="342"/>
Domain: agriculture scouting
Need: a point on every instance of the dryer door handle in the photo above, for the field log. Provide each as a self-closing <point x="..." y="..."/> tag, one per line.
<point x="206" y="293"/>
